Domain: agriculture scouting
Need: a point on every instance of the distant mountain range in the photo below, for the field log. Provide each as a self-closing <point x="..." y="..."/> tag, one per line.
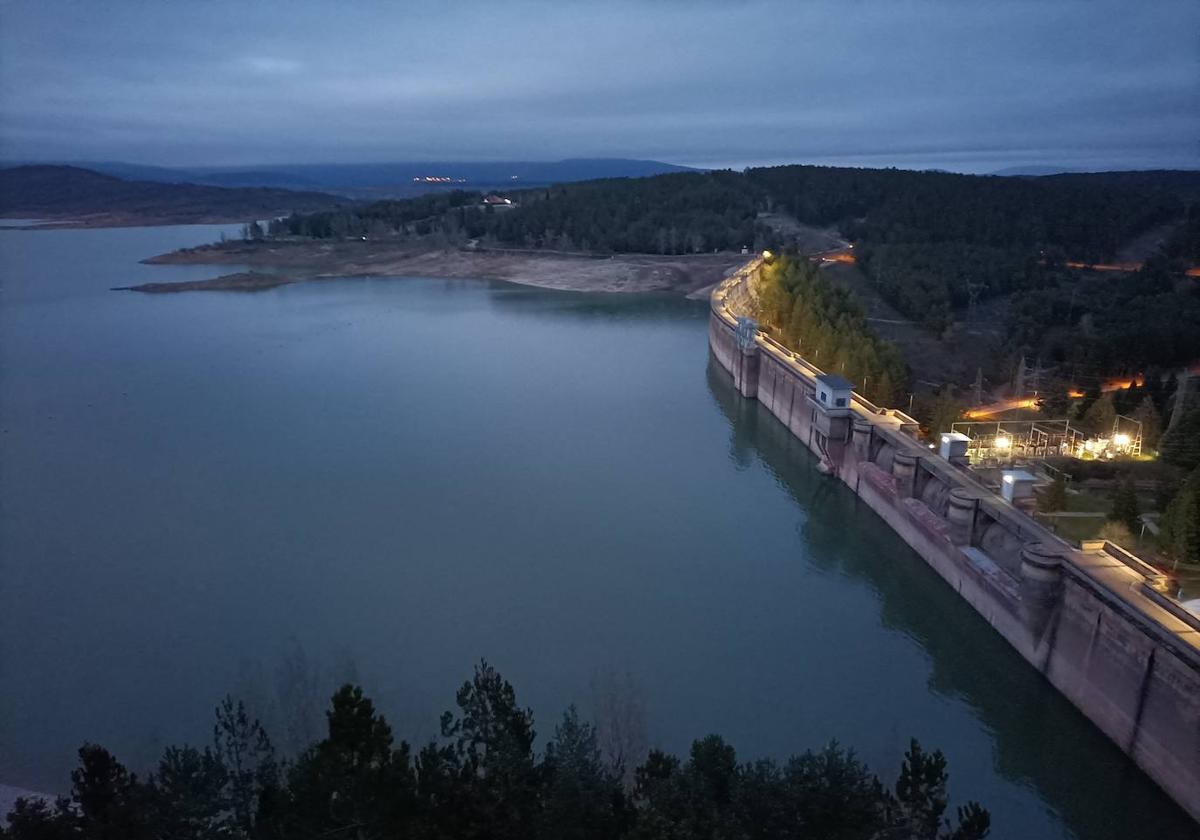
<point x="367" y="180"/>
<point x="87" y="198"/>
<point x="114" y="193"/>
<point x="1036" y="170"/>
<point x="129" y="194"/>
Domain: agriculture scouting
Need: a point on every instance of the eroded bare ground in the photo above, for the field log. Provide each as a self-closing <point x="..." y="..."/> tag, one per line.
<point x="621" y="273"/>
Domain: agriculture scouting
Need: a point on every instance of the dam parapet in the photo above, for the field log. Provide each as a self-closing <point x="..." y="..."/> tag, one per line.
<point x="1095" y="620"/>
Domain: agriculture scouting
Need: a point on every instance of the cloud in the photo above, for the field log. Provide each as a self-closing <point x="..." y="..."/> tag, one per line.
<point x="954" y="84"/>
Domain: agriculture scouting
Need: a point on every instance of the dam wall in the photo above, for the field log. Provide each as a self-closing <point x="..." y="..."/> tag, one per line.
<point x="1094" y="620"/>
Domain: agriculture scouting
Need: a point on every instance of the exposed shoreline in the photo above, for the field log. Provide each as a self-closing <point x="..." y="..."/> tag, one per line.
<point x="314" y="260"/>
<point x="242" y="281"/>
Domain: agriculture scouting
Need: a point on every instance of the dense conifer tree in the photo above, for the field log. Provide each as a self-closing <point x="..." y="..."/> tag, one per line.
<point x="483" y="779"/>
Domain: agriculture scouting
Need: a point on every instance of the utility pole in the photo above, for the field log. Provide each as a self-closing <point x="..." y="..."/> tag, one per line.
<point x="1019" y="384"/>
<point x="979" y="386"/>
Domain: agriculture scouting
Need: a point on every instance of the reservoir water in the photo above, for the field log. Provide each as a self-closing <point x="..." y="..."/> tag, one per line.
<point x="387" y="479"/>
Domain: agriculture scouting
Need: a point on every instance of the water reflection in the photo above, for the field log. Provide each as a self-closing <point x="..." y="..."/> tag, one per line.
<point x="1039" y="738"/>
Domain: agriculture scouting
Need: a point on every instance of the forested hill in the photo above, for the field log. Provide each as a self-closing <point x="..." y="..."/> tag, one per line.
<point x="1084" y="217"/>
<point x="1183" y="183"/>
<point x="680" y="213"/>
<point x="68" y="192"/>
<point x="927" y="241"/>
<point x="1088" y="217"/>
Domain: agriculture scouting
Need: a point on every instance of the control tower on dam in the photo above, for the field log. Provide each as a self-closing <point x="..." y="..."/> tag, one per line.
<point x="1095" y="620"/>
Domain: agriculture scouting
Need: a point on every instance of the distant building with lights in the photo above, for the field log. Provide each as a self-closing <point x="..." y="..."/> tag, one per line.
<point x="498" y="202"/>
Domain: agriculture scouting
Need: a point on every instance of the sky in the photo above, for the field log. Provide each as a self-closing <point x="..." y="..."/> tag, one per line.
<point x="963" y="86"/>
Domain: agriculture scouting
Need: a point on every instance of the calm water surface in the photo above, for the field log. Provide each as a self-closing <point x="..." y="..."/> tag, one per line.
<point x="387" y="479"/>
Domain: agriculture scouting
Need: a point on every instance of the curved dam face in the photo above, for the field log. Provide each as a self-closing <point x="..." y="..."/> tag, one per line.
<point x="1093" y="621"/>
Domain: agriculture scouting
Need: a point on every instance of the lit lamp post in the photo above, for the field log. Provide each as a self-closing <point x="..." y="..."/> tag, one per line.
<point x="1003" y="444"/>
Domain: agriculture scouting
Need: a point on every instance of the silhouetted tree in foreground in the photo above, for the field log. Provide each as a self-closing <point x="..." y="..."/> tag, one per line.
<point x="483" y="779"/>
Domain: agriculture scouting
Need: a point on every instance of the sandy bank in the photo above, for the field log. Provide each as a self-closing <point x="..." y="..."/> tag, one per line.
<point x="307" y="260"/>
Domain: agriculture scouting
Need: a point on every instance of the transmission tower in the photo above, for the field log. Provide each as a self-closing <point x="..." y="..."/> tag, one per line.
<point x="1036" y="376"/>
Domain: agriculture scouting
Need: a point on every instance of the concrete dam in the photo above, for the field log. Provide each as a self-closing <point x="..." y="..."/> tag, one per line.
<point x="1095" y="621"/>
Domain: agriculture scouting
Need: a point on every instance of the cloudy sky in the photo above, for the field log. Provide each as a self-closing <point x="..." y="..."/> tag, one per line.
<point x="957" y="85"/>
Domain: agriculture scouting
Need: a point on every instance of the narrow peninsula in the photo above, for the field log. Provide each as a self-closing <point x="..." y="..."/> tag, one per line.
<point x="242" y="281"/>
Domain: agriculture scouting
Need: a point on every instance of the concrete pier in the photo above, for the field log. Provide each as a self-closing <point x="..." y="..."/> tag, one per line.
<point x="1093" y="620"/>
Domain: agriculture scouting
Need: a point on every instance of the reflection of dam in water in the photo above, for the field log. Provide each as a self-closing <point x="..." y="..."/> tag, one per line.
<point x="1039" y="738"/>
<point x="1091" y="621"/>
